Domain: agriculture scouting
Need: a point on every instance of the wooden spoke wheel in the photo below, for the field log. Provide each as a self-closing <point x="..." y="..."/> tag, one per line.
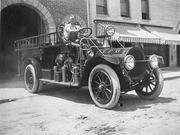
<point x="104" y="86"/>
<point x="31" y="80"/>
<point x="151" y="86"/>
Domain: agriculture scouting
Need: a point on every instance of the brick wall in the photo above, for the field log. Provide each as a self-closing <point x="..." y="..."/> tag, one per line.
<point x="60" y="8"/>
<point x="165" y="12"/>
<point x="52" y="11"/>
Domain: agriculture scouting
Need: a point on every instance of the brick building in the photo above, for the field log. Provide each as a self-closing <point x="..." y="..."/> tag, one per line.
<point x="24" y="18"/>
<point x="159" y="16"/>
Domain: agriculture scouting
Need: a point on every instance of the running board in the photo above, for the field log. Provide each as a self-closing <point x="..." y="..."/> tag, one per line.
<point x="60" y="83"/>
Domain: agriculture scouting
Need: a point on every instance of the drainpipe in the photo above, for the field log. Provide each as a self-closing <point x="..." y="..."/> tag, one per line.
<point x="88" y="13"/>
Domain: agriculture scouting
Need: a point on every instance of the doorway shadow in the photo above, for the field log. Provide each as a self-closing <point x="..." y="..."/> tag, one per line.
<point x="11" y="82"/>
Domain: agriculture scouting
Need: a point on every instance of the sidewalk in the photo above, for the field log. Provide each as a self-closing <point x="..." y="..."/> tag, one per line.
<point x="171" y="73"/>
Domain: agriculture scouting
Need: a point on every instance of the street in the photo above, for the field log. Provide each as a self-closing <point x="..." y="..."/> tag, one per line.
<point x="62" y="111"/>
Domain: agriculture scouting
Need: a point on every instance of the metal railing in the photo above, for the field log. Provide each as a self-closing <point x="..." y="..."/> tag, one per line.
<point x="39" y="41"/>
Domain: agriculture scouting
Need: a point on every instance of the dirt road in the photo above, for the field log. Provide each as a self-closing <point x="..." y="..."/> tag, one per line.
<point x="62" y="111"/>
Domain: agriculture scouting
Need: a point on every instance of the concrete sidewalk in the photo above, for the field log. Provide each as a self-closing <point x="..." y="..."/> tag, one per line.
<point x="171" y="73"/>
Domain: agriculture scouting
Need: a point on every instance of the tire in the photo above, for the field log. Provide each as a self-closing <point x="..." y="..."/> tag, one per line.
<point x="31" y="79"/>
<point x="151" y="86"/>
<point x="104" y="86"/>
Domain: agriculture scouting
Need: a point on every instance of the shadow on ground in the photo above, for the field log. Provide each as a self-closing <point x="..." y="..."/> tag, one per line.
<point x="131" y="102"/>
<point x="79" y="95"/>
<point x="7" y="100"/>
<point x="127" y="102"/>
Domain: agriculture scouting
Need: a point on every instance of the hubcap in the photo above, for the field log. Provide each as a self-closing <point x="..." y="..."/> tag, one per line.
<point x="29" y="79"/>
<point x="102" y="87"/>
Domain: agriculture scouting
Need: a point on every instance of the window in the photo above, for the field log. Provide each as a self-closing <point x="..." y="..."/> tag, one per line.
<point x="145" y="9"/>
<point x="125" y="8"/>
<point x="101" y="7"/>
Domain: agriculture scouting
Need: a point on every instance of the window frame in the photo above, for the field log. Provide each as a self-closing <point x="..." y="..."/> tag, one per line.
<point x="127" y="2"/>
<point x="145" y="15"/>
<point x="104" y="8"/>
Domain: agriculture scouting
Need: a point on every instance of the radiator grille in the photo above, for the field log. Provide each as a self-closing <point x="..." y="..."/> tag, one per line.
<point x="140" y="65"/>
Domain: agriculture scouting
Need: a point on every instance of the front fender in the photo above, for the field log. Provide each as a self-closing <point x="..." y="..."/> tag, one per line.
<point x="91" y="63"/>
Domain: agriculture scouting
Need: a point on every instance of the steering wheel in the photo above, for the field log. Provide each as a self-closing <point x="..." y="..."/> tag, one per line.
<point x="59" y="30"/>
<point x="84" y="32"/>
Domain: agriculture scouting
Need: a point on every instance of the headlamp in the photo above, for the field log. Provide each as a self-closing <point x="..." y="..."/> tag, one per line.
<point x="129" y="62"/>
<point x="153" y="61"/>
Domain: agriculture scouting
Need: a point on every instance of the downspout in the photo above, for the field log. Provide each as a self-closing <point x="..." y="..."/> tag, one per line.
<point x="88" y="13"/>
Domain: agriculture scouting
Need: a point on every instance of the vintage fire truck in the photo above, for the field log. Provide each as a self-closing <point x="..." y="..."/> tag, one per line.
<point x="108" y="70"/>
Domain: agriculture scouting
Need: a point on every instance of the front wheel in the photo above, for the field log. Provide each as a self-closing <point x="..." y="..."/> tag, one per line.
<point x="31" y="80"/>
<point x="104" y="86"/>
<point x="151" y="86"/>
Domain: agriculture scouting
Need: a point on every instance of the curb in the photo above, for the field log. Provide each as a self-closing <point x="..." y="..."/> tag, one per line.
<point x="171" y="73"/>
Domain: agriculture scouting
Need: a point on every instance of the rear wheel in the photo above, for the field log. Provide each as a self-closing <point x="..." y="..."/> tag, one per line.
<point x="151" y="86"/>
<point x="104" y="86"/>
<point x="31" y="79"/>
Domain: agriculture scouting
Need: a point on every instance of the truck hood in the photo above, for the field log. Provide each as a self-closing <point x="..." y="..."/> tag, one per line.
<point x="117" y="55"/>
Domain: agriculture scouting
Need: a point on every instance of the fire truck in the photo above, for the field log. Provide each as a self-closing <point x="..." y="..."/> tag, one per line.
<point x="108" y="70"/>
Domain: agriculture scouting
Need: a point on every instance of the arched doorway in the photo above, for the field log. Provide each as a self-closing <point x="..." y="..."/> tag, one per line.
<point x="17" y="21"/>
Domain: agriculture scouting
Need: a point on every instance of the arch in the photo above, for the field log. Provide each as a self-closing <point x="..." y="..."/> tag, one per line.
<point x="36" y="6"/>
<point x="8" y="66"/>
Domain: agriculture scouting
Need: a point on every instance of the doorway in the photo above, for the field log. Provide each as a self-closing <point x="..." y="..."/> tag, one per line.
<point x="178" y="55"/>
<point x="17" y="22"/>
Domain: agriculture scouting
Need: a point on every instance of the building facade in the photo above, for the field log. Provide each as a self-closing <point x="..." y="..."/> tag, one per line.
<point x="160" y="14"/>
<point x="24" y="18"/>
